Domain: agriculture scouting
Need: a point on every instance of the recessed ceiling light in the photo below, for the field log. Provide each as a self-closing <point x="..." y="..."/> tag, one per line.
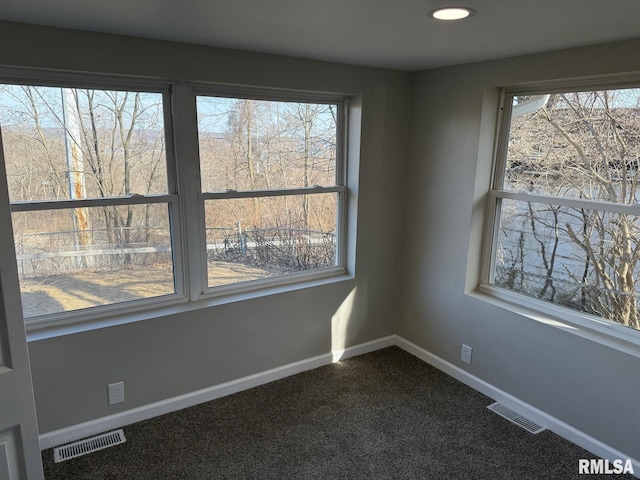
<point x="451" y="13"/>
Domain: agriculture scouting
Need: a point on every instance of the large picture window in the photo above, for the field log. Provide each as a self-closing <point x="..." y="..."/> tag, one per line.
<point x="566" y="201"/>
<point x="125" y="198"/>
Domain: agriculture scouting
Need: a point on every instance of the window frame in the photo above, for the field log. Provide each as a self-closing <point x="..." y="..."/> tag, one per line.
<point x="340" y="188"/>
<point x="586" y="325"/>
<point x="171" y="198"/>
<point x="186" y="202"/>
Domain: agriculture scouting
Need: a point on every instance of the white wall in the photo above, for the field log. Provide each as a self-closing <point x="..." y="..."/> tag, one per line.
<point x="589" y="386"/>
<point x="177" y="354"/>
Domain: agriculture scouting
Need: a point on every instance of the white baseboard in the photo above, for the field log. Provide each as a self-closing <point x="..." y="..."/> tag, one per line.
<point x="127" y="417"/>
<point x="363" y="348"/>
<point x="557" y="426"/>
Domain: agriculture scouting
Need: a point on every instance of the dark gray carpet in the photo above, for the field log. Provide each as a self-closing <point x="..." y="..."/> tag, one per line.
<point x="385" y="415"/>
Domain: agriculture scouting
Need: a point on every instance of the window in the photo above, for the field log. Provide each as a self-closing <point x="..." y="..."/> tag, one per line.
<point x="100" y="182"/>
<point x="92" y="204"/>
<point x="565" y="204"/>
<point x="272" y="187"/>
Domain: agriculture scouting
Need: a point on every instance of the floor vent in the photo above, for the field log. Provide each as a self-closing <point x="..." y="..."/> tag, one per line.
<point x="516" y="418"/>
<point x="88" y="445"/>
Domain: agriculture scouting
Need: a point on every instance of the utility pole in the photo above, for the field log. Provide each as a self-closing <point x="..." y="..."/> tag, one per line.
<point x="75" y="167"/>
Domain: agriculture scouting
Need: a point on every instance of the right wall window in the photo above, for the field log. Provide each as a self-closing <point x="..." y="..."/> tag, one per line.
<point x="565" y="201"/>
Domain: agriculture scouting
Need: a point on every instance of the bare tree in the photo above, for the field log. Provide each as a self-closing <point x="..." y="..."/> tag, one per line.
<point x="116" y="145"/>
<point x="582" y="145"/>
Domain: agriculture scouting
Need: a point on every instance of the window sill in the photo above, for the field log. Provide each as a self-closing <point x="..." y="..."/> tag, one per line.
<point x="590" y="327"/>
<point x="242" y="293"/>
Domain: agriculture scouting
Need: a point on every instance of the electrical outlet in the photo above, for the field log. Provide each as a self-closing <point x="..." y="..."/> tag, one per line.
<point x="466" y="354"/>
<point x="116" y="393"/>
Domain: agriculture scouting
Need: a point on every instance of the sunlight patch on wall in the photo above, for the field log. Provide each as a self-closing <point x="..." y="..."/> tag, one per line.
<point x="339" y="324"/>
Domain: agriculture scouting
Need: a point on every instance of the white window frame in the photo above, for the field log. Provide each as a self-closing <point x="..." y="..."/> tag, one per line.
<point x="585" y="325"/>
<point x="186" y="201"/>
<point x="340" y="188"/>
<point x="171" y="198"/>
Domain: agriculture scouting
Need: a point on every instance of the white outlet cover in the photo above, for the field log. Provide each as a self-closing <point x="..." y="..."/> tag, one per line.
<point x="465" y="356"/>
<point x="116" y="393"/>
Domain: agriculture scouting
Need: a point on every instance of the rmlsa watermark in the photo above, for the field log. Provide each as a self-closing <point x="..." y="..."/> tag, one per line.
<point x="595" y="466"/>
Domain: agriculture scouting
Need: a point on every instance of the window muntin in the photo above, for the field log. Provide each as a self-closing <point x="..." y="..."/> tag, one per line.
<point x="567" y="221"/>
<point x="87" y="178"/>
<point x="273" y="188"/>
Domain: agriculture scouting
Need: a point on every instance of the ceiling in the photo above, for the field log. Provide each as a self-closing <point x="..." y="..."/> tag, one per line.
<point x="394" y="34"/>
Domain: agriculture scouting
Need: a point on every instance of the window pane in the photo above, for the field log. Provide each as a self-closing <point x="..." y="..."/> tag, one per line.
<point x="583" y="259"/>
<point x="580" y="145"/>
<point x="62" y="143"/>
<point x="263" y="237"/>
<point x="122" y="254"/>
<point x="256" y="144"/>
